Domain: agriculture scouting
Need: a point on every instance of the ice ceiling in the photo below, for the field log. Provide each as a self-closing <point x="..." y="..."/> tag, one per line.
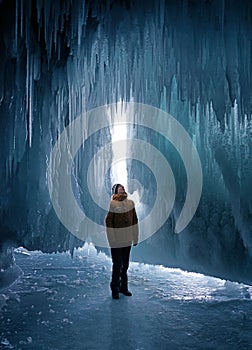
<point x="189" y="58"/>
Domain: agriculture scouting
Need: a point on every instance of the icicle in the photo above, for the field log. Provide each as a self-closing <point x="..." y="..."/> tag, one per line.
<point x="81" y="15"/>
<point x="36" y="65"/>
<point x="27" y="88"/>
<point x="21" y="17"/>
<point x="16" y="26"/>
<point x="30" y="101"/>
<point x="39" y="9"/>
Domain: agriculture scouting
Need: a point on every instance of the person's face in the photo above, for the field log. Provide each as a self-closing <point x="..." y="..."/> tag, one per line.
<point x="120" y="190"/>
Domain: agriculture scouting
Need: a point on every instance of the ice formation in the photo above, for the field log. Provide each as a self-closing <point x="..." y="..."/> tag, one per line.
<point x="189" y="58"/>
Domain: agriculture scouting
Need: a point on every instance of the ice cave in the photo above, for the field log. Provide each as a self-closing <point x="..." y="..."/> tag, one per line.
<point x="153" y="94"/>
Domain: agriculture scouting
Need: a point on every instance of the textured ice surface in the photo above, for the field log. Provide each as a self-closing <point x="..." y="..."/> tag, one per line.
<point x="63" y="303"/>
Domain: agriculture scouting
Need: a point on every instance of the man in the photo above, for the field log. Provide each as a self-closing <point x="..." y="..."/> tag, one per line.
<point x="122" y="232"/>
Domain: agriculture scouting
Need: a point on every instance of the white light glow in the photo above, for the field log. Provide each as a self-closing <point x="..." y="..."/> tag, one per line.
<point x="119" y="168"/>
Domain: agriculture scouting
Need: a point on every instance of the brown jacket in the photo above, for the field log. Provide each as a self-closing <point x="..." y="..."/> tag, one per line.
<point x="122" y="222"/>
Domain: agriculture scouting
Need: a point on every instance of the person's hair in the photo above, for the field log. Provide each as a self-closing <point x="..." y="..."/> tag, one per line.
<point x="115" y="188"/>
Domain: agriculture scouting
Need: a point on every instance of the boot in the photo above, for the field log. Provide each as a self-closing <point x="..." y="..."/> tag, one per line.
<point x="115" y="294"/>
<point x="124" y="290"/>
<point x="115" y="286"/>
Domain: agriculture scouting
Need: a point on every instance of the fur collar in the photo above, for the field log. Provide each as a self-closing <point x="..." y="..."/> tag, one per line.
<point x="119" y="197"/>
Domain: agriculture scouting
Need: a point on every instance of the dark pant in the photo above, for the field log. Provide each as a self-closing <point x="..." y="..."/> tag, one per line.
<point x="120" y="261"/>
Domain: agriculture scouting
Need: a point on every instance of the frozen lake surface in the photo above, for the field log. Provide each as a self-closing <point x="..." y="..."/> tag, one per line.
<point x="60" y="302"/>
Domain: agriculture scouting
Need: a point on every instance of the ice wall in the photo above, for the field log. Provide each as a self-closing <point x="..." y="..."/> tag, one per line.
<point x="190" y="58"/>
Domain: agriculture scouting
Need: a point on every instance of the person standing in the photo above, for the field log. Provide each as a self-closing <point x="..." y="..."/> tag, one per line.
<point x="122" y="232"/>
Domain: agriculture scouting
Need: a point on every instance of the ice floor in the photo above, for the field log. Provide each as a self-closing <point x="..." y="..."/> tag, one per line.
<point x="64" y="303"/>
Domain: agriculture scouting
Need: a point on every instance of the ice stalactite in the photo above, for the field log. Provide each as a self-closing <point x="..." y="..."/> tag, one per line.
<point x="190" y="58"/>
